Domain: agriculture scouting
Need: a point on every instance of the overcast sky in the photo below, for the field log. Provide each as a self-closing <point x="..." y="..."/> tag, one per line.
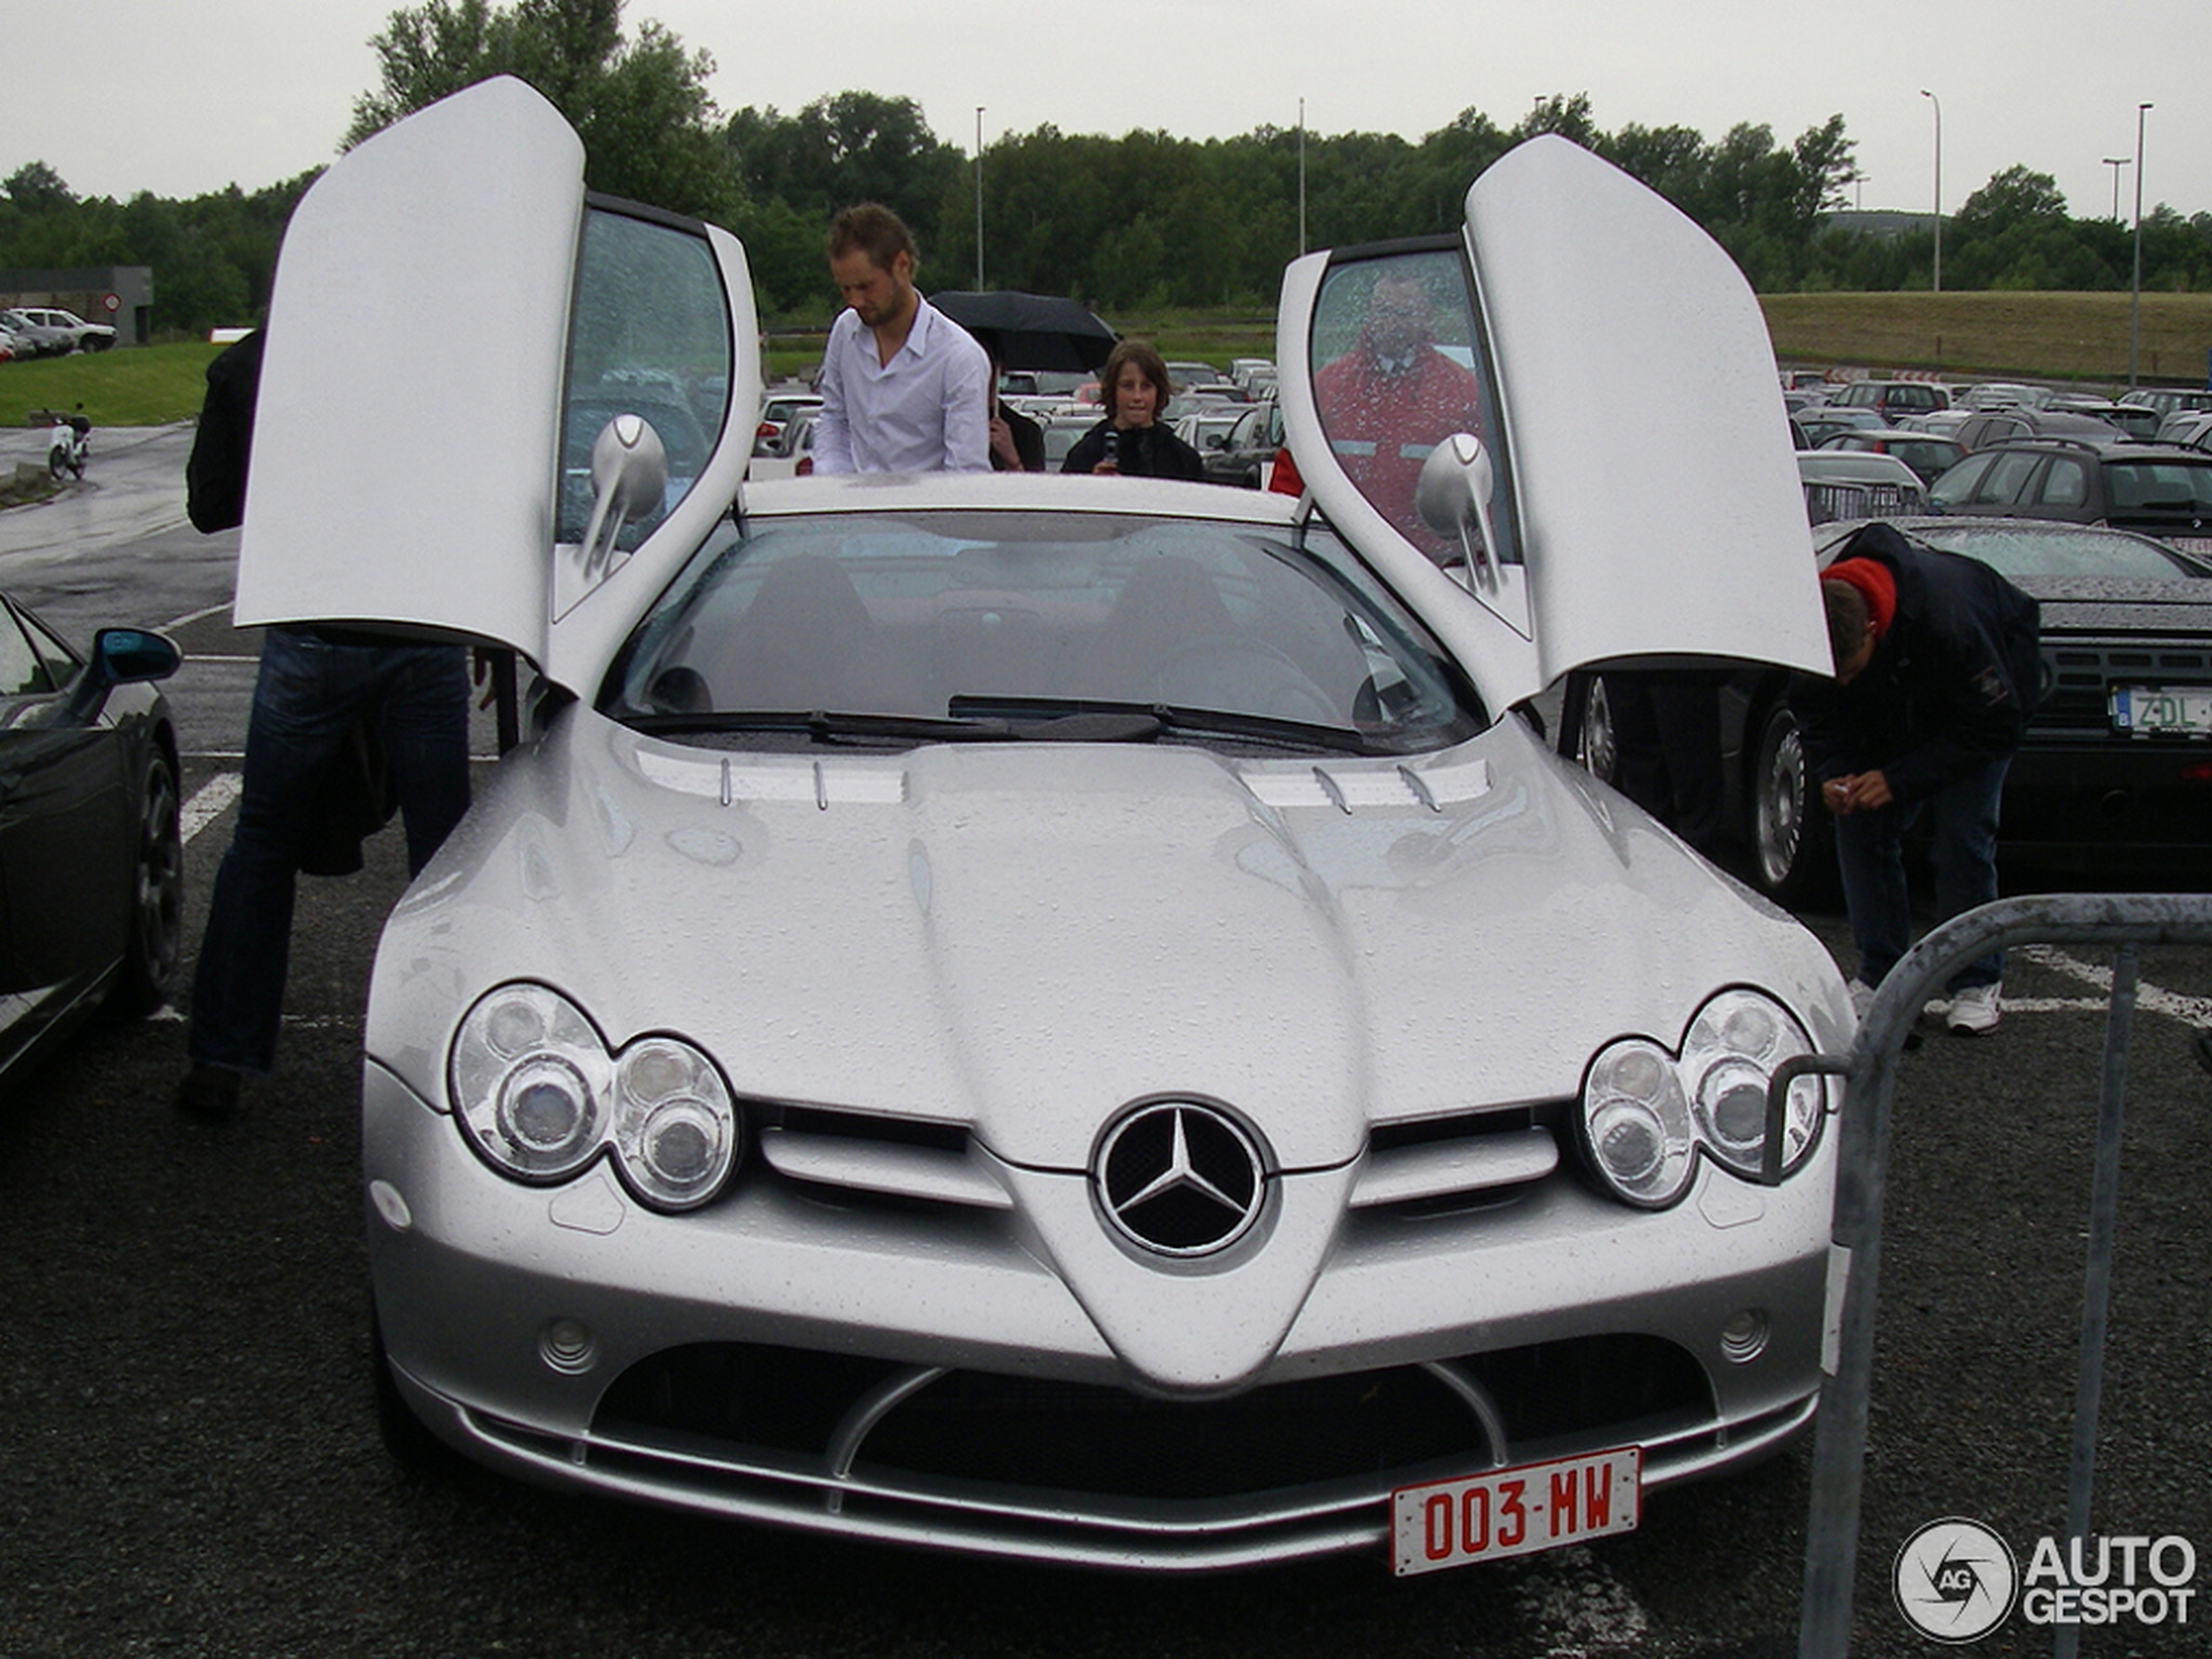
<point x="184" y="97"/>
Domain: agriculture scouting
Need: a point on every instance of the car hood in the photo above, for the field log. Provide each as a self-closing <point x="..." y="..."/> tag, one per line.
<point x="1024" y="939"/>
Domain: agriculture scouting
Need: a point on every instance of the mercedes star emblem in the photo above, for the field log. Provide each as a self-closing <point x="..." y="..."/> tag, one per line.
<point x="1180" y="1178"/>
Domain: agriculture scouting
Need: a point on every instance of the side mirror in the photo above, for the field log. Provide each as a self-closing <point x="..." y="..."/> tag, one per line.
<point x="629" y="478"/>
<point x="122" y="655"/>
<point x="1453" y="497"/>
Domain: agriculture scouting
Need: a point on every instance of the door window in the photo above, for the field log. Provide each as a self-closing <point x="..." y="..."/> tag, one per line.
<point x="650" y="337"/>
<point x="1398" y="366"/>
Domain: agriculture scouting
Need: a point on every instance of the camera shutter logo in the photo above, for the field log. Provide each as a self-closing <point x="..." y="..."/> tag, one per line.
<point x="1955" y="1580"/>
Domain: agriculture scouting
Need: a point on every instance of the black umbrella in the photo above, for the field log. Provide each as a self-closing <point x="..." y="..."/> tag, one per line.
<point x="1031" y="330"/>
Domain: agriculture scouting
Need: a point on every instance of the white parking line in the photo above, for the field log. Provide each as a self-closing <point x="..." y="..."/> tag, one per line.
<point x="2190" y="1010"/>
<point x="208" y="802"/>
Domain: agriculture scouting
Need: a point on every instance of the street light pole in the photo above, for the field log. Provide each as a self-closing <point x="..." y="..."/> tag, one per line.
<point x="979" y="198"/>
<point x="2116" y="163"/>
<point x="1937" y="102"/>
<point x="2135" y="292"/>
<point x="1301" y="178"/>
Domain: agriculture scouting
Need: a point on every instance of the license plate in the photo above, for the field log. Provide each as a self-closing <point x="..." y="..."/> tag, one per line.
<point x="2151" y="708"/>
<point x="1514" y="1512"/>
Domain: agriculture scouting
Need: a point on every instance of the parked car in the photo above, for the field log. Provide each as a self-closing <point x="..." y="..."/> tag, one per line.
<point x="2167" y="399"/>
<point x="34" y="339"/>
<point x="1809" y="428"/>
<point x="2003" y="395"/>
<point x="1840" y="484"/>
<point x="2129" y="419"/>
<point x="1243" y="457"/>
<point x="772" y="434"/>
<point x="1207" y="430"/>
<point x="1928" y="455"/>
<point x="2118" y="757"/>
<point x="1068" y="1018"/>
<point x="82" y="335"/>
<point x="90" y="852"/>
<point x="2191" y="428"/>
<point x="2160" y="491"/>
<point x="2009" y="425"/>
<point x="1891" y="399"/>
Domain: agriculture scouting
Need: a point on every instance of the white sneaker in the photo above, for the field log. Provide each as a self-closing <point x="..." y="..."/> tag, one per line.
<point x="1976" y="1010"/>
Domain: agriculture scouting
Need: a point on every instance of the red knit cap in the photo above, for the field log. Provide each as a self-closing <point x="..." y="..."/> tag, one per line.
<point x="1873" y="578"/>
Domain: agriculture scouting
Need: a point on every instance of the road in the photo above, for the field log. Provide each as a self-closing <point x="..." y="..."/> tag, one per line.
<point x="189" y="1463"/>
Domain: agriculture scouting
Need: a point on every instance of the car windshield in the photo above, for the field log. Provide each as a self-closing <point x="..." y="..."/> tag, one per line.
<point x="1011" y="621"/>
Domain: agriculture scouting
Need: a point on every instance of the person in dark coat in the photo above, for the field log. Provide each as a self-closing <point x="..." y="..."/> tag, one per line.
<point x="1132" y="440"/>
<point x="1937" y="668"/>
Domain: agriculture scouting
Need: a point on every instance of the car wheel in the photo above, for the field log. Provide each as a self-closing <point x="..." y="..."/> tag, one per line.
<point x="157" y="896"/>
<point x="1598" y="746"/>
<point x="1793" y="842"/>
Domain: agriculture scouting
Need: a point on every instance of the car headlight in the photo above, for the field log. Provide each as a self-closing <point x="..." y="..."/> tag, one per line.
<point x="540" y="1097"/>
<point x="1648" y="1113"/>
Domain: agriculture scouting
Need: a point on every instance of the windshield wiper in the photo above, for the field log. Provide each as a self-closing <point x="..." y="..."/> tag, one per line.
<point x="1087" y="724"/>
<point x="1054" y="715"/>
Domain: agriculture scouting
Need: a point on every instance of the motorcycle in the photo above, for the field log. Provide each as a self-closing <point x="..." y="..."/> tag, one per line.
<point x="69" y="443"/>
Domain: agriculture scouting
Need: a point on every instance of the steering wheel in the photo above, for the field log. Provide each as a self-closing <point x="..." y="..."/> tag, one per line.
<point x="1239" y="675"/>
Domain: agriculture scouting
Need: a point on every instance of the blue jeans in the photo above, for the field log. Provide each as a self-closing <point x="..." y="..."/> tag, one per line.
<point x="1870" y="852"/>
<point x="309" y="693"/>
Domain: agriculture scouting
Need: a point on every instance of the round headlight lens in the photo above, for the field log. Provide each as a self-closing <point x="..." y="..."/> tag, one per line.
<point x="1637" y="1123"/>
<point x="675" y="1130"/>
<point x="1734" y="1046"/>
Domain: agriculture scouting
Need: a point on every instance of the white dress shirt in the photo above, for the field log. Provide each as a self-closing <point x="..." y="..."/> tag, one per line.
<point x="926" y="410"/>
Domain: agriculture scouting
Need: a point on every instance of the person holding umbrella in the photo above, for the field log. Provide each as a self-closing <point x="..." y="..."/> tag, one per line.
<point x="1131" y="440"/>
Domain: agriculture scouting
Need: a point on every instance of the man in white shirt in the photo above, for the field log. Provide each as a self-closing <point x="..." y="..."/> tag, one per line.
<point x="904" y="388"/>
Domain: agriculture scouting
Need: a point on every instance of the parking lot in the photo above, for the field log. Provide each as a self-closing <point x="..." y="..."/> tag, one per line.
<point x="193" y="1465"/>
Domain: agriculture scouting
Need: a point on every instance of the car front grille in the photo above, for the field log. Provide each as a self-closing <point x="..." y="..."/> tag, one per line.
<point x="2083" y="671"/>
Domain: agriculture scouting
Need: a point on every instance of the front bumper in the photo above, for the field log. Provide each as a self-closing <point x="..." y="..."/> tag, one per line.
<point x="920" y="1374"/>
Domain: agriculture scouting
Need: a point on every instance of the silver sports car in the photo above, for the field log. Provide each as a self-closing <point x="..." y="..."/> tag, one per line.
<point x="1065" y="1018"/>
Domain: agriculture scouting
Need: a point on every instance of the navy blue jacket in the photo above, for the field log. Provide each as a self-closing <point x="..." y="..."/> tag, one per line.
<point x="1950" y="686"/>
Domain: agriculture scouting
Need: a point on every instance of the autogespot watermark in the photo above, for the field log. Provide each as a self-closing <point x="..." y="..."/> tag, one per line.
<point x="1956" y="1581"/>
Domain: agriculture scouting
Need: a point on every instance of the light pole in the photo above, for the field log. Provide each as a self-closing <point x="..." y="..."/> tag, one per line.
<point x="1937" y="102"/>
<point x="2116" y="162"/>
<point x="1301" y="178"/>
<point x="2135" y="292"/>
<point x="979" y="198"/>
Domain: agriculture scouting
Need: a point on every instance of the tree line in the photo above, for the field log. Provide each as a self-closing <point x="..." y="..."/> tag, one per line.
<point x="1133" y="224"/>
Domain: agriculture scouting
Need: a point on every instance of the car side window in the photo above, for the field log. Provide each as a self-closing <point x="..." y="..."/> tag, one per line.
<point x="1959" y="485"/>
<point x="2007" y="478"/>
<point x="650" y="337"/>
<point x="2067" y="484"/>
<point x="1399" y="365"/>
<point x="23" y="671"/>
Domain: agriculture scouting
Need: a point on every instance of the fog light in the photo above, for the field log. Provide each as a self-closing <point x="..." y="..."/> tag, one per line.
<point x="1743" y="1338"/>
<point x="566" y="1344"/>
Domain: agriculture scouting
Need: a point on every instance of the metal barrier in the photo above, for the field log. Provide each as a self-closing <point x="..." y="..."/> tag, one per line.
<point x="2124" y="922"/>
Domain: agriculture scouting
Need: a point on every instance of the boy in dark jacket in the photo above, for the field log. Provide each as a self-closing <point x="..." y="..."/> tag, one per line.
<point x="1936" y="671"/>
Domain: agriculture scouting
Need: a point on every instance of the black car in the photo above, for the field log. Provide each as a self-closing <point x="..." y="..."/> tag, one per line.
<point x="2162" y="491"/>
<point x="91" y="859"/>
<point x="1893" y="398"/>
<point x="1251" y="443"/>
<point x="2118" y="757"/>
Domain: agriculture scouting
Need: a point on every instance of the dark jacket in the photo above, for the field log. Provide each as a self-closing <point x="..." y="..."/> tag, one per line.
<point x="1949" y="687"/>
<point x="1144" y="452"/>
<point x="215" y="471"/>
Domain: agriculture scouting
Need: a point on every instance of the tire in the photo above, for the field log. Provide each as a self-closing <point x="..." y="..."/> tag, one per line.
<point x="157" y="897"/>
<point x="1598" y="746"/>
<point x="57" y="462"/>
<point x="1792" y="839"/>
